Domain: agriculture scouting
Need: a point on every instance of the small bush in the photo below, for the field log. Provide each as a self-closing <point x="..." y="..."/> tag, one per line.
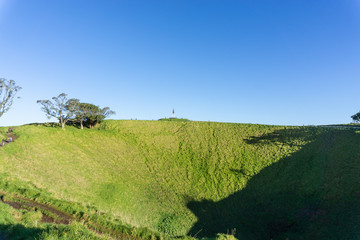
<point x="169" y="224"/>
<point x="221" y="236"/>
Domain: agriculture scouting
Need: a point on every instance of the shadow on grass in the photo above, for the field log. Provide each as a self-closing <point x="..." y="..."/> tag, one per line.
<point x="18" y="231"/>
<point x="312" y="194"/>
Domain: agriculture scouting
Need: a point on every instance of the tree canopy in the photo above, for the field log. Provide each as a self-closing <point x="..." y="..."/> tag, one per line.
<point x="8" y="91"/>
<point x="60" y="107"/>
<point x="356" y="117"/>
<point x="89" y="114"/>
<point x="65" y="109"/>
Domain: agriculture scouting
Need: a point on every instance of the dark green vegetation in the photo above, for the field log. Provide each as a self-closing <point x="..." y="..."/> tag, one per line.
<point x="89" y="115"/>
<point x="356" y="117"/>
<point x="171" y="179"/>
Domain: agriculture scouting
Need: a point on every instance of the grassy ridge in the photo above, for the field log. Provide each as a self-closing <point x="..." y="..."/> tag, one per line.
<point x="198" y="178"/>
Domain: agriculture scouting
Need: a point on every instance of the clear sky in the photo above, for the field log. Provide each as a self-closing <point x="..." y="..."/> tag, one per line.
<point x="249" y="61"/>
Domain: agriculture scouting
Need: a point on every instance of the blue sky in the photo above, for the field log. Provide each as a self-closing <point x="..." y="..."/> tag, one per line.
<point x="256" y="61"/>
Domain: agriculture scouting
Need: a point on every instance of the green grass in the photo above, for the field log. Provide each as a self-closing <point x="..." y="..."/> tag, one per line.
<point x="194" y="178"/>
<point x="25" y="224"/>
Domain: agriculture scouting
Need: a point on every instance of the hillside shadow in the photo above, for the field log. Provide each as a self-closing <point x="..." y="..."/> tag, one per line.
<point x="312" y="194"/>
<point x="18" y="231"/>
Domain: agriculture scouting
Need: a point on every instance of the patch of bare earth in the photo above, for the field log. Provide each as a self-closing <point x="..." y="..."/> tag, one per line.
<point x="60" y="217"/>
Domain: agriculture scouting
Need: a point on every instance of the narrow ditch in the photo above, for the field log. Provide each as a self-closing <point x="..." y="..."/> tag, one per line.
<point x="58" y="217"/>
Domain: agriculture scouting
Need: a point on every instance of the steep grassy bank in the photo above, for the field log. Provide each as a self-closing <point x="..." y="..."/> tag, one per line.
<point x="199" y="178"/>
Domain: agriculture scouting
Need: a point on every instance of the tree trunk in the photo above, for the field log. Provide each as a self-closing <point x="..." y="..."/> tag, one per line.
<point x="62" y="122"/>
<point x="81" y="124"/>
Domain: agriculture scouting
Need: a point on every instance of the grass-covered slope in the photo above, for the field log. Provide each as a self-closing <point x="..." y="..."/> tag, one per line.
<point x="199" y="178"/>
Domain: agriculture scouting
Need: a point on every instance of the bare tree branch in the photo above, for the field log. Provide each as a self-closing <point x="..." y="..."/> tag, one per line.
<point x="61" y="108"/>
<point x="8" y="91"/>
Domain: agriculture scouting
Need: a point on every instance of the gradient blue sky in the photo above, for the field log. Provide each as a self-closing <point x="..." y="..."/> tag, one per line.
<point x="250" y="61"/>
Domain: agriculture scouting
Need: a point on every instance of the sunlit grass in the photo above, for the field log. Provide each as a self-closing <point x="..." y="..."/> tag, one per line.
<point x="146" y="172"/>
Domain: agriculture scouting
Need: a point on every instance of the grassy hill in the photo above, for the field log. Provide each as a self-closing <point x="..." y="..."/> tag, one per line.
<point x="185" y="178"/>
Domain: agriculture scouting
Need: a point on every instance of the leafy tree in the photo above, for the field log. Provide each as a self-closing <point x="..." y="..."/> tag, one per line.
<point x="91" y="114"/>
<point x="81" y="112"/>
<point x="356" y="117"/>
<point x="61" y="108"/>
<point x="8" y="90"/>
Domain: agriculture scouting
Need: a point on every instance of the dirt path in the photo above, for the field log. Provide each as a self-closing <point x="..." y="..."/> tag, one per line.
<point x="49" y="213"/>
<point x="11" y="136"/>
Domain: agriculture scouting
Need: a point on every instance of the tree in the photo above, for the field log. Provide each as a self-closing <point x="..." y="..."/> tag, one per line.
<point x="8" y="90"/>
<point x="356" y="117"/>
<point x="91" y="114"/>
<point x="61" y="108"/>
<point x="81" y="112"/>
